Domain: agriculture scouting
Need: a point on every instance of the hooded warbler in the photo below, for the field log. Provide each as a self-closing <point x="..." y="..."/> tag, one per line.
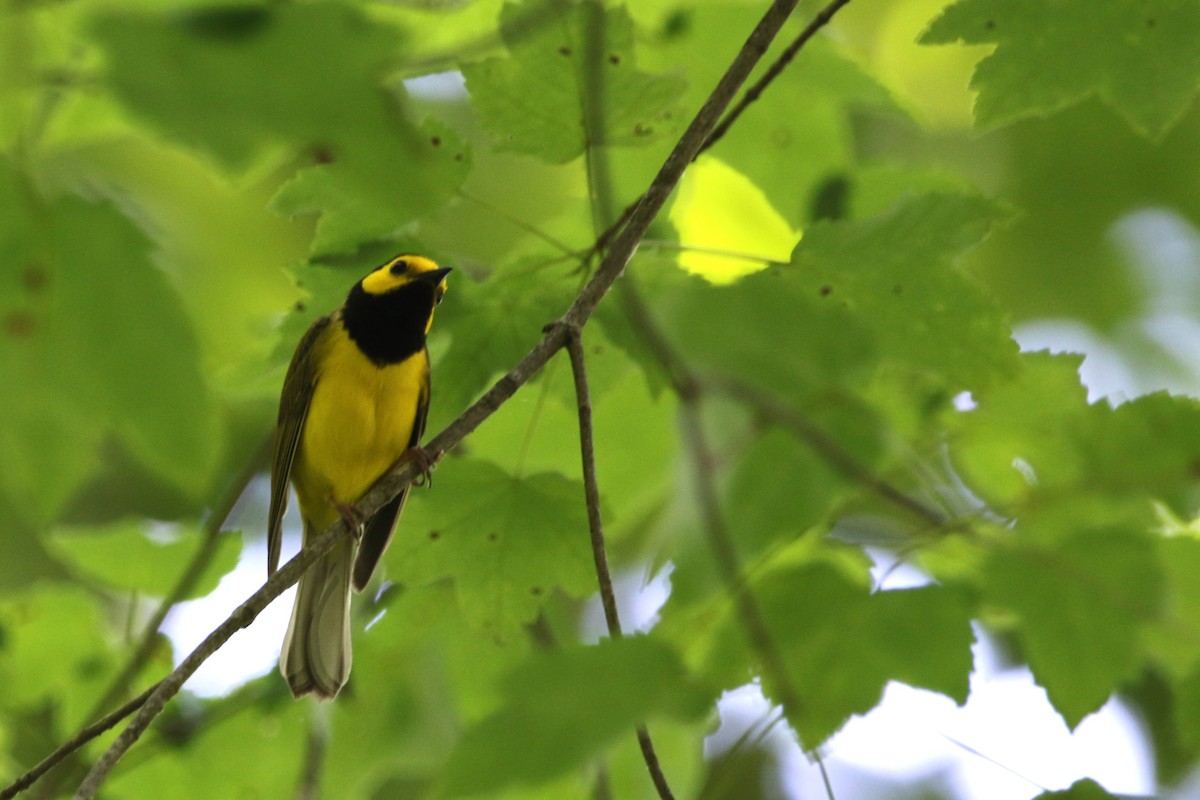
<point x="354" y="402"/>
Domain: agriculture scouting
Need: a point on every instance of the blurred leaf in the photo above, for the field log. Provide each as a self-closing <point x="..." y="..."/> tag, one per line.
<point x="214" y="754"/>
<point x="507" y="541"/>
<point x="1086" y="789"/>
<point x="1141" y="56"/>
<point x="781" y="486"/>
<point x="1080" y="604"/>
<point x="1038" y="435"/>
<point x="372" y="171"/>
<point x="538" y="100"/>
<point x="79" y="371"/>
<point x="564" y="706"/>
<point x="842" y="643"/>
<point x="53" y="650"/>
<point x="124" y="556"/>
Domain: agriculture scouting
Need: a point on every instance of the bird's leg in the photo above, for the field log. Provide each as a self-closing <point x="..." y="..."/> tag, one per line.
<point x="425" y="463"/>
<point x="350" y="515"/>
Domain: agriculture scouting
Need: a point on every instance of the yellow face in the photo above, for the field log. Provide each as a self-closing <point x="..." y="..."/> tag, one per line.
<point x="401" y="271"/>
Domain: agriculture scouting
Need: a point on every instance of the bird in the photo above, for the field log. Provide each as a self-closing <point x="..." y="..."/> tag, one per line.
<point x="354" y="403"/>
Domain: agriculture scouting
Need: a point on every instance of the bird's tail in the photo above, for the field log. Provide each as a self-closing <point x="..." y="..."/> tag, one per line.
<point x="316" y="650"/>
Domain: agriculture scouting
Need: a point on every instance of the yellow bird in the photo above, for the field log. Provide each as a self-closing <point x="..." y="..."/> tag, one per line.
<point x="353" y="404"/>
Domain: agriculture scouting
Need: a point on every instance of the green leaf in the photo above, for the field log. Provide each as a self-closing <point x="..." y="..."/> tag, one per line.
<point x="79" y="371"/>
<point x="895" y="271"/>
<point x="1085" y="789"/>
<point x="508" y="542"/>
<point x="205" y="755"/>
<point x="569" y="83"/>
<point x="377" y="187"/>
<point x="842" y="643"/>
<point x="1171" y="641"/>
<point x="856" y="295"/>
<point x="565" y="706"/>
<point x="492" y="324"/>
<point x="53" y="649"/>
<point x="1037" y="435"/>
<point x="373" y="171"/>
<point x="781" y="486"/>
<point x="125" y="556"/>
<point x="1141" y="56"/>
<point x="1080" y="603"/>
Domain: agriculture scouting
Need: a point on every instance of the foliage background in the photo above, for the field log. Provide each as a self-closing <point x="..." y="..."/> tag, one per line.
<point x="186" y="187"/>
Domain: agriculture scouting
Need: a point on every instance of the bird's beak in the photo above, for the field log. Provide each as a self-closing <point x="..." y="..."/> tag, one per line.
<point x="434" y="276"/>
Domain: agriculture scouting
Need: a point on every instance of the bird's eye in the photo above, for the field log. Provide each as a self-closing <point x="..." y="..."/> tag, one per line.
<point x="399" y="267"/>
<point x="437" y="296"/>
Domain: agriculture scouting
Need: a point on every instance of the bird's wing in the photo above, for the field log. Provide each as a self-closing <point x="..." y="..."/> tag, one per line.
<point x="293" y="409"/>
<point x="377" y="533"/>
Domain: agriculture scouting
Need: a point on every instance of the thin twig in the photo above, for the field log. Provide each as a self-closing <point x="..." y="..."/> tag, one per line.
<point x="401" y="476"/>
<point x="608" y="598"/>
<point x="689" y="389"/>
<point x="752" y="94"/>
<point x="591" y="490"/>
<point x="721" y="541"/>
<point x="789" y="418"/>
<point x="314" y="755"/>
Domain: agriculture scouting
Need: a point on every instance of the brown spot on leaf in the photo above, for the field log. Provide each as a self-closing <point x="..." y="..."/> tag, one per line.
<point x="19" y="324"/>
<point x="613" y="58"/>
<point x="493" y="537"/>
<point x="35" y="277"/>
<point x="436" y="141"/>
<point x="435" y="535"/>
<point x="322" y="154"/>
<point x="564" y="51"/>
<point x="300" y="306"/>
<point x="826" y="291"/>
<point x="536" y="591"/>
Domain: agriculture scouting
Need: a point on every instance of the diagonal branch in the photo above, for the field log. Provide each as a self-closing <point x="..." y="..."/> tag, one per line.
<point x="587" y="450"/>
<point x="388" y="487"/>
<point x="777" y="67"/>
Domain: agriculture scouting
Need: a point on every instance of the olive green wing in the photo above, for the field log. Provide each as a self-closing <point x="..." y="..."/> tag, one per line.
<point x="293" y="410"/>
<point x="377" y="533"/>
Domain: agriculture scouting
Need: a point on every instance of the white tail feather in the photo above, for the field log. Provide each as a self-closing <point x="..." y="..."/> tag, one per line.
<point x="316" y="650"/>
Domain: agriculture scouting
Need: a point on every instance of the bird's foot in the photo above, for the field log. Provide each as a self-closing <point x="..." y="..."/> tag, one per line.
<point x="350" y="515"/>
<point x="424" y="461"/>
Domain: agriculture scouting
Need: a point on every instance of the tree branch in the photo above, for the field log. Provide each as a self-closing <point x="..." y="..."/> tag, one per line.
<point x="389" y="486"/>
<point x="754" y="92"/>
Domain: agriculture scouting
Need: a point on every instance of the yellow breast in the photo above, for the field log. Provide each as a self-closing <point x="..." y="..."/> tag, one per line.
<point x="360" y="421"/>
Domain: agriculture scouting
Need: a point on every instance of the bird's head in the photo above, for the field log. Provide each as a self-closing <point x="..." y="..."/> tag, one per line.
<point x="419" y="280"/>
